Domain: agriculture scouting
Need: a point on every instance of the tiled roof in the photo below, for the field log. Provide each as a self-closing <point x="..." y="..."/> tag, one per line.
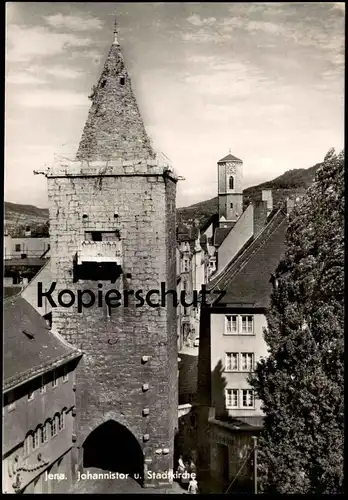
<point x="246" y="279"/>
<point x="229" y="158"/>
<point x="34" y="352"/>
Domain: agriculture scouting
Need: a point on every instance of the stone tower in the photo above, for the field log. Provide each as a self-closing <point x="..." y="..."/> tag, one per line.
<point x="112" y="230"/>
<point x="230" y="182"/>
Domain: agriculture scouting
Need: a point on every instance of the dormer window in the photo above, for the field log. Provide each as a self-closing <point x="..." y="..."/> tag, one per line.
<point x="122" y="80"/>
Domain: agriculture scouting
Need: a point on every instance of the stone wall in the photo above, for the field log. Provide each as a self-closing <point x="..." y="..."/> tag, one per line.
<point x="139" y="202"/>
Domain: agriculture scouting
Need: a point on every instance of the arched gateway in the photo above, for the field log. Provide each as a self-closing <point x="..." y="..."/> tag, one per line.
<point x="112" y="447"/>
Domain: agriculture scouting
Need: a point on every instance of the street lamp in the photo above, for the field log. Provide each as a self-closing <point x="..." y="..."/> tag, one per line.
<point x="255" y="464"/>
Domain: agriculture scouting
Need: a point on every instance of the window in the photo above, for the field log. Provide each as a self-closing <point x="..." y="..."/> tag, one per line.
<point x="231" y="205"/>
<point x="186" y="266"/>
<point x="96" y="236"/>
<point x="28" y="444"/>
<point x="43" y="386"/>
<point x="61" y="421"/>
<point x="231" y="398"/>
<point x="247" y="361"/>
<point x="231" y="324"/>
<point x="54" y="427"/>
<point x="36" y="440"/>
<point x="122" y="80"/>
<point x="49" y="428"/>
<point x="31" y="395"/>
<point x="231" y="361"/>
<point x="248" y="398"/>
<point x="55" y="380"/>
<point x="231" y="182"/>
<point x="247" y="324"/>
<point x="44" y="434"/>
<point x="17" y="248"/>
<point x="65" y="377"/>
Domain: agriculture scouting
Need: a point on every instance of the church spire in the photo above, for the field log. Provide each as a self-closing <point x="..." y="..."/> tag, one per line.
<point x="114" y="127"/>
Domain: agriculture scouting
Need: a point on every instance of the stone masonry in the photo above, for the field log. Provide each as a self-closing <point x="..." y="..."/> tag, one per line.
<point x="117" y="185"/>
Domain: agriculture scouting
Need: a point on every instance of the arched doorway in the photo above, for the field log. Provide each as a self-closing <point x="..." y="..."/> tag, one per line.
<point x="112" y="447"/>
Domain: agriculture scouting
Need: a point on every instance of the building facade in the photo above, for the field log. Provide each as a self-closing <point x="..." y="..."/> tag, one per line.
<point x="232" y="342"/>
<point x="112" y="232"/>
<point x="39" y="404"/>
<point x="25" y="247"/>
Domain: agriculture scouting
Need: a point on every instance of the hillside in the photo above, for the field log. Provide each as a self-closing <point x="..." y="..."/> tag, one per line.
<point x="23" y="215"/>
<point x="291" y="183"/>
<point x="288" y="184"/>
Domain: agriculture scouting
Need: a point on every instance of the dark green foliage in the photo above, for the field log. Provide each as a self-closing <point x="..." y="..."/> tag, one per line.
<point x="301" y="382"/>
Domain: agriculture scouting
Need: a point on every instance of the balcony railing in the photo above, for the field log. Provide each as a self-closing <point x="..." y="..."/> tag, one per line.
<point x="100" y="251"/>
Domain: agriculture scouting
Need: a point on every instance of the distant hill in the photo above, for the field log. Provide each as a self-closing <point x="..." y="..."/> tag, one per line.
<point x="290" y="183"/>
<point x="22" y="215"/>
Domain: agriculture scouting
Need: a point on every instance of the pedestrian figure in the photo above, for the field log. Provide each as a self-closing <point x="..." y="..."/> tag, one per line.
<point x="181" y="465"/>
<point x="192" y="466"/>
<point x="192" y="487"/>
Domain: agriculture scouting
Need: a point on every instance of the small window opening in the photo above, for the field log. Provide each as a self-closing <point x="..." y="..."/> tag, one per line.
<point x="103" y="84"/>
<point x="96" y="236"/>
<point x="85" y="216"/>
<point x="122" y="80"/>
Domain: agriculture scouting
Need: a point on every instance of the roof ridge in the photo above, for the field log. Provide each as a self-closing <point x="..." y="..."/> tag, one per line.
<point x="39" y="271"/>
<point x="271" y="228"/>
<point x="255" y="250"/>
<point x="15" y="380"/>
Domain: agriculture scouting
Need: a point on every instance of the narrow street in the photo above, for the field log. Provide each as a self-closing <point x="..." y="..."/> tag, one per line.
<point x="127" y="485"/>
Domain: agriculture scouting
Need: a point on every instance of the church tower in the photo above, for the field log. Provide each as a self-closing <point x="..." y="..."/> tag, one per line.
<point x="112" y="231"/>
<point x="230" y="185"/>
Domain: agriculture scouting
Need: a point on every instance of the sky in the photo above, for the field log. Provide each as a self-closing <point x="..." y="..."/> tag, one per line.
<point x="264" y="80"/>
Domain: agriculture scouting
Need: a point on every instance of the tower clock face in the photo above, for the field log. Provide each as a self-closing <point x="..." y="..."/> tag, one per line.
<point x="231" y="168"/>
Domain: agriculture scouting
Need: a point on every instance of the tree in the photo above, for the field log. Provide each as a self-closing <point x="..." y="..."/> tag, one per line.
<point x="300" y="384"/>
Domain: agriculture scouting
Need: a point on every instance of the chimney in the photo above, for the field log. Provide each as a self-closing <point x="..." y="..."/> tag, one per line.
<point x="260" y="217"/>
<point x="267" y="196"/>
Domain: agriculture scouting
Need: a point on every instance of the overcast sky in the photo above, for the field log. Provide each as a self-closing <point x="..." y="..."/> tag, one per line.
<point x="264" y="80"/>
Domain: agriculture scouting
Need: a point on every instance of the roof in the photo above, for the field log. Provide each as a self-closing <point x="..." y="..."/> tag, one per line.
<point x="27" y="262"/>
<point x="27" y="355"/>
<point x="212" y="219"/>
<point x="9" y="291"/>
<point x="114" y="126"/>
<point x="220" y="234"/>
<point x="239" y="423"/>
<point x="246" y="279"/>
<point x="229" y="157"/>
<point x="187" y="233"/>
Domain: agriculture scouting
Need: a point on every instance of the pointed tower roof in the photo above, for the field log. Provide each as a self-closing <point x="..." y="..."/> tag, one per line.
<point x="229" y="157"/>
<point x="114" y="127"/>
